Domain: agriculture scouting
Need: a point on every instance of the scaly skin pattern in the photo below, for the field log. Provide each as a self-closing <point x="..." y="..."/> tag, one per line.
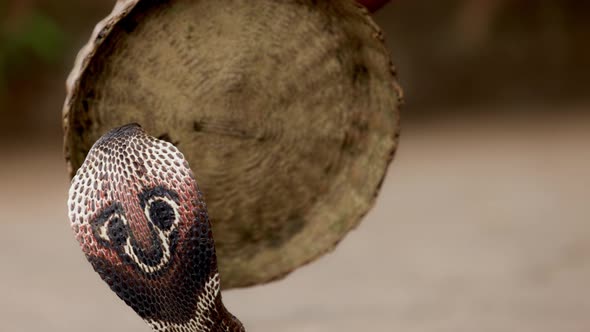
<point x="140" y="219"/>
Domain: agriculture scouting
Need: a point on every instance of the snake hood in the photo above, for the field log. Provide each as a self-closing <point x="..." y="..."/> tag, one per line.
<point x="140" y="219"/>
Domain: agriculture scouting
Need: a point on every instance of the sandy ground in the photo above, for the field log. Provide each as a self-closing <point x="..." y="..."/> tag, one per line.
<point x="478" y="228"/>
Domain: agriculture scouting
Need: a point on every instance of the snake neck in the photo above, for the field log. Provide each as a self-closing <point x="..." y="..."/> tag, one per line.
<point x="208" y="314"/>
<point x="226" y="322"/>
<point x="218" y="319"/>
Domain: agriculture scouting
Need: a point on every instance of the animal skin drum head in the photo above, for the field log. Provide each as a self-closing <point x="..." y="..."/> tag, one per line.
<point x="286" y="111"/>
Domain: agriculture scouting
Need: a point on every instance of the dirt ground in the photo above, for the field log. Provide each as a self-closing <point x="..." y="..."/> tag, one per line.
<point x="482" y="225"/>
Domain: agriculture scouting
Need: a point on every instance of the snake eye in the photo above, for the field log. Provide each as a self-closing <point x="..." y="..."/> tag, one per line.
<point x="162" y="214"/>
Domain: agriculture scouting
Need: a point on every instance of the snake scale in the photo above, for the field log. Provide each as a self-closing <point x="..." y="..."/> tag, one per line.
<point x="137" y="212"/>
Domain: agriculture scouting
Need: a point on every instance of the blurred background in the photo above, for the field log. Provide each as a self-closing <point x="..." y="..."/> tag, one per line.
<point x="482" y="224"/>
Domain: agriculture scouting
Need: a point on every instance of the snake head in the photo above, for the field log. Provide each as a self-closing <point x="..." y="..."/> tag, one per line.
<point x="140" y="219"/>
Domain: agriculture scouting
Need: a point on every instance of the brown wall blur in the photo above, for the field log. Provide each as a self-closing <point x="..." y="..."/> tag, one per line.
<point x="481" y="52"/>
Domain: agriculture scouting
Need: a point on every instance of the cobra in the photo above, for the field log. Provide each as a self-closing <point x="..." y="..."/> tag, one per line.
<point x="136" y="211"/>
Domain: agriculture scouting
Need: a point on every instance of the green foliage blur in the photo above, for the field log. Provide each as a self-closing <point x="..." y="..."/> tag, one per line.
<point x="32" y="37"/>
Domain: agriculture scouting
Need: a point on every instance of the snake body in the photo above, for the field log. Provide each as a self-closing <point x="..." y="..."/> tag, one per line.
<point x="136" y="211"/>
